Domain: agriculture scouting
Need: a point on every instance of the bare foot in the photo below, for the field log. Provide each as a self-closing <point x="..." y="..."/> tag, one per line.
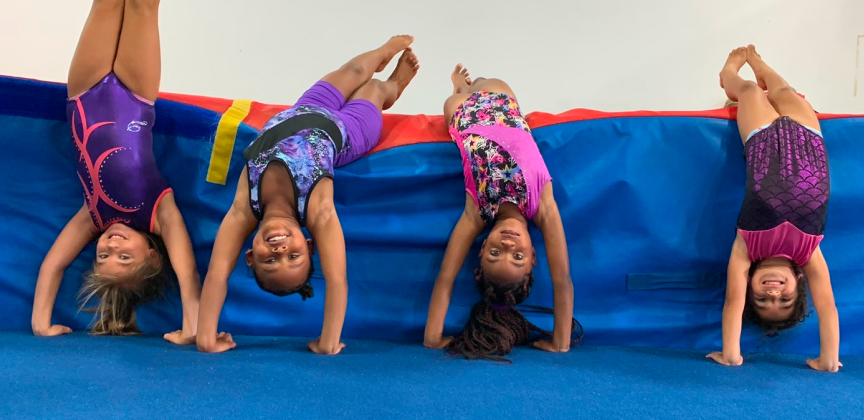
<point x="392" y="47"/>
<point x="759" y="67"/>
<point x="460" y="78"/>
<point x="736" y="60"/>
<point x="405" y="70"/>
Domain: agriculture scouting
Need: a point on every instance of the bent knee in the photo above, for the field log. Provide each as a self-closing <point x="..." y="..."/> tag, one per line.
<point x="353" y="69"/>
<point x="375" y="89"/>
<point x="491" y="85"/>
<point x="374" y="84"/>
<point x="782" y="91"/>
<point x="750" y="87"/>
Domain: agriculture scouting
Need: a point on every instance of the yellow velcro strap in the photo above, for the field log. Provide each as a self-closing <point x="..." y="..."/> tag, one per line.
<point x="223" y="145"/>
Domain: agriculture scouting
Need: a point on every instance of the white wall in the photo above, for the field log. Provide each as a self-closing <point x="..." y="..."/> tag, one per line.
<point x="602" y="54"/>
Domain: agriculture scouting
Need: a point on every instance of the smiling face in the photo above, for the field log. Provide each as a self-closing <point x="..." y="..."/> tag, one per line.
<point x="120" y="249"/>
<point x="774" y="288"/>
<point x="280" y="255"/>
<point x="507" y="255"/>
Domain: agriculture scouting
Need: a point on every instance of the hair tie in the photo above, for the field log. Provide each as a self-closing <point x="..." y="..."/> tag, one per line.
<point x="500" y="308"/>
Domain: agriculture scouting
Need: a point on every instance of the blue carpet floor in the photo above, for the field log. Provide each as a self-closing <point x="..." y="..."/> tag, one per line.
<point x="83" y="377"/>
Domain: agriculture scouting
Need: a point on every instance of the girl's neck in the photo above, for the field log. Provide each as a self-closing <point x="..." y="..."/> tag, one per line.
<point x="278" y="209"/>
<point x="511" y="211"/>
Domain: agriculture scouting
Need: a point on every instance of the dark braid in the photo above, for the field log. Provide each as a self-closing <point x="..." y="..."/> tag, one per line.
<point x="495" y="326"/>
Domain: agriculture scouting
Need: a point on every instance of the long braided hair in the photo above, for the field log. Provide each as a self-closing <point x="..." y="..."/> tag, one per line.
<point x="495" y="325"/>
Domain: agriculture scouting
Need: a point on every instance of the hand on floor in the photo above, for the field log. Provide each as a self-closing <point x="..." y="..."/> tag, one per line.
<point x="439" y="343"/>
<point x="548" y="345"/>
<point x="824" y="365"/>
<point x="52" y="331"/>
<point x="730" y="361"/>
<point x="317" y="348"/>
<point x="180" y="338"/>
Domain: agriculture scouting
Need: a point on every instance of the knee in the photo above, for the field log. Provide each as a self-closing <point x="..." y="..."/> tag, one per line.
<point x="376" y="91"/>
<point x="493" y="80"/>
<point x="373" y="88"/>
<point x="782" y="91"/>
<point x="143" y="6"/>
<point x="376" y="85"/>
<point x="353" y="69"/>
<point x="750" y="88"/>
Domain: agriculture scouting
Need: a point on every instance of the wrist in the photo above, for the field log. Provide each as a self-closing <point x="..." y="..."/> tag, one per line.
<point x="205" y="340"/>
<point x="190" y="322"/>
<point x="39" y="324"/>
<point x="562" y="335"/>
<point x="328" y="343"/>
<point x="561" y="344"/>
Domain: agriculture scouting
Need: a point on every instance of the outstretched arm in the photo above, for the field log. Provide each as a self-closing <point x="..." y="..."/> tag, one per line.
<point x="237" y="225"/>
<point x="829" y="324"/>
<point x="733" y="309"/>
<point x="469" y="226"/>
<point x="327" y="232"/>
<point x="172" y="229"/>
<point x="548" y="219"/>
<point x="74" y="237"/>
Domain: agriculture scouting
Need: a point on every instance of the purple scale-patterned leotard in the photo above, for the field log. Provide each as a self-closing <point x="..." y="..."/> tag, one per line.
<point x="786" y="203"/>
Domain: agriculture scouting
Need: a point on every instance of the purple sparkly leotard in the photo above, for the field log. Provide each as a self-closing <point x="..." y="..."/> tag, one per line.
<point x="500" y="159"/>
<point x="112" y="129"/>
<point x="786" y="203"/>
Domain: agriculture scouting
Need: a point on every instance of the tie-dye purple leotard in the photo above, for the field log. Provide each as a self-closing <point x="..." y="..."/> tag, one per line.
<point x="786" y="203"/>
<point x="322" y="131"/>
<point x="113" y="133"/>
